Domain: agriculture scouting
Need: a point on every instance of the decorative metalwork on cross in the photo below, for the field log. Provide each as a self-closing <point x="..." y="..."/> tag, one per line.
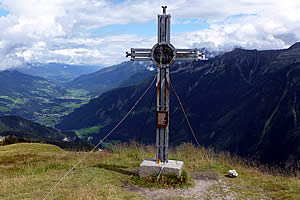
<point x="163" y="54"/>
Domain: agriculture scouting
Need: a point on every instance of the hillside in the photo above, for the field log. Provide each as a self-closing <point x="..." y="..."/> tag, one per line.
<point x="20" y="125"/>
<point x="36" y="98"/>
<point x="112" y="77"/>
<point x="16" y="129"/>
<point x="29" y="171"/>
<point x="17" y="83"/>
<point x="57" y="73"/>
<point x="22" y="94"/>
<point x="244" y="101"/>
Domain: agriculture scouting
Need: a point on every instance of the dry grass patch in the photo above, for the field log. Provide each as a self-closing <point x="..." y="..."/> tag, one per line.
<point x="29" y="171"/>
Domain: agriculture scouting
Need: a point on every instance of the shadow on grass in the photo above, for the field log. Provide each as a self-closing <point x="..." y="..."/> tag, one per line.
<point x="118" y="168"/>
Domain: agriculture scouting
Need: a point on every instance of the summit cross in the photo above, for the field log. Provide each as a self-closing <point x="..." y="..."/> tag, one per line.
<point x="163" y="54"/>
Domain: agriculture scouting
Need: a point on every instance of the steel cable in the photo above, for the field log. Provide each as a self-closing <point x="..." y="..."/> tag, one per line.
<point x="112" y="130"/>
<point x="193" y="133"/>
<point x="186" y="118"/>
<point x="146" y="118"/>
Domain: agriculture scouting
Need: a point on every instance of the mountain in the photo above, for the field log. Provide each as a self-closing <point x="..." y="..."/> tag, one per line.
<point x="22" y="84"/>
<point x="47" y="100"/>
<point x="243" y="101"/>
<point x="36" y="98"/>
<point x="113" y="77"/>
<point x="18" y="124"/>
<point x="210" y="53"/>
<point x="27" y="130"/>
<point x="58" y="73"/>
<point x="24" y="94"/>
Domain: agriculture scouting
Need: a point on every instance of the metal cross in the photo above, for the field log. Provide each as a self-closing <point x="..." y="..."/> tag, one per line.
<point x="163" y="54"/>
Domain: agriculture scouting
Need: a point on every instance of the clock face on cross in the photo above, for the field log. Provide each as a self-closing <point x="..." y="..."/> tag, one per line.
<point x="163" y="54"/>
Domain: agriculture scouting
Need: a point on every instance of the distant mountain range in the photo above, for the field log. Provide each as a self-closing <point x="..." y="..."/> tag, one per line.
<point x="23" y="94"/>
<point x="36" y="98"/>
<point x="57" y="73"/>
<point x="45" y="99"/>
<point x="244" y="101"/>
<point x="26" y="85"/>
<point x="124" y="74"/>
<point x="210" y="53"/>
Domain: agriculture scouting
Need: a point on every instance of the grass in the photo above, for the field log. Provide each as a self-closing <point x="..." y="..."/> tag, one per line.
<point x="110" y="144"/>
<point x="78" y="92"/>
<point x="4" y="109"/>
<point x="50" y="121"/>
<point x="13" y="100"/>
<point x="10" y="103"/>
<point x="57" y="109"/>
<point x="83" y="133"/>
<point x="165" y="181"/>
<point x="61" y="109"/>
<point x="267" y="124"/>
<point x="29" y="148"/>
<point x="29" y="171"/>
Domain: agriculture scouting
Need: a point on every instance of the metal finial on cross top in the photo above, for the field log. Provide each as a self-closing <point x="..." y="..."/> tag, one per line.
<point x="163" y="54"/>
<point x="164" y="9"/>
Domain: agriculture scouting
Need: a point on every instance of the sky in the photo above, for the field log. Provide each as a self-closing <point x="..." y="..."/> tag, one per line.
<point x="99" y="32"/>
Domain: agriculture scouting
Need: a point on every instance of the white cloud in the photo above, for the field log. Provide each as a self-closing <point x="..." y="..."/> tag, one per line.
<point x="59" y="30"/>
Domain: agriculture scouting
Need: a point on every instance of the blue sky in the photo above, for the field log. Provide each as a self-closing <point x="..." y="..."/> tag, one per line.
<point x="145" y="29"/>
<point x="149" y="28"/>
<point x="101" y="31"/>
<point x="3" y="12"/>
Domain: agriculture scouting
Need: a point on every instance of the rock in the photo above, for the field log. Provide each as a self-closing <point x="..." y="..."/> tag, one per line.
<point x="232" y="173"/>
<point x="150" y="167"/>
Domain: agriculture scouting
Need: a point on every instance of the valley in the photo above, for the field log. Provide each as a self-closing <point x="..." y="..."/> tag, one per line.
<point x="55" y="109"/>
<point x="48" y="98"/>
<point x="149" y="100"/>
<point x="37" y="99"/>
<point x="242" y="101"/>
<point x="58" y="73"/>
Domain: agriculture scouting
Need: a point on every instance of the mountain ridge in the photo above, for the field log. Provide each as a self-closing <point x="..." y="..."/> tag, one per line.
<point x="58" y="73"/>
<point x="111" y="77"/>
<point x="237" y="101"/>
<point x="36" y="98"/>
<point x="23" y="94"/>
<point x="28" y="131"/>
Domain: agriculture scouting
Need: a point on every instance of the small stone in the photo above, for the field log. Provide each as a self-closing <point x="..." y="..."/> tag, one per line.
<point x="232" y="173"/>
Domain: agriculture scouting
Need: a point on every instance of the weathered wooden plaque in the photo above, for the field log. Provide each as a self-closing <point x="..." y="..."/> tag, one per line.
<point x="162" y="119"/>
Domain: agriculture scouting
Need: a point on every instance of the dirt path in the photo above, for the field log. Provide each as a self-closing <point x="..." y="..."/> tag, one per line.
<point x="206" y="187"/>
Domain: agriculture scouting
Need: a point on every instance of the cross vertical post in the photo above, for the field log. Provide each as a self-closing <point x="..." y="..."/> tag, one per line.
<point x="163" y="89"/>
<point x="163" y="54"/>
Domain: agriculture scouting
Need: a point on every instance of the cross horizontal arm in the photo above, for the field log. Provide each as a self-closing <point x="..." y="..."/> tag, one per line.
<point x="187" y="50"/>
<point x="141" y="59"/>
<point x="187" y="55"/>
<point x="139" y="54"/>
<point x="141" y="50"/>
<point x="186" y="59"/>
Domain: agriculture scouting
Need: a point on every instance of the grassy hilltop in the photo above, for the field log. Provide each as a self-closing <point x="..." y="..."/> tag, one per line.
<point x="29" y="171"/>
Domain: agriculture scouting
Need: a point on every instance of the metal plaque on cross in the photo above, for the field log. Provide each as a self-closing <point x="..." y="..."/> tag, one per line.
<point x="163" y="54"/>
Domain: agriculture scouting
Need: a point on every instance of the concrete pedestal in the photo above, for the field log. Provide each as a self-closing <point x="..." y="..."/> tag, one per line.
<point x="150" y="167"/>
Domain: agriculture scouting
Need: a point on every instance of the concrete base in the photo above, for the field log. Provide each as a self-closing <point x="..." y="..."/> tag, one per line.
<point x="150" y="167"/>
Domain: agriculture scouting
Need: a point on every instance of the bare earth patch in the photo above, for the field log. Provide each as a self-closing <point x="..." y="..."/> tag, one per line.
<point x="206" y="187"/>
